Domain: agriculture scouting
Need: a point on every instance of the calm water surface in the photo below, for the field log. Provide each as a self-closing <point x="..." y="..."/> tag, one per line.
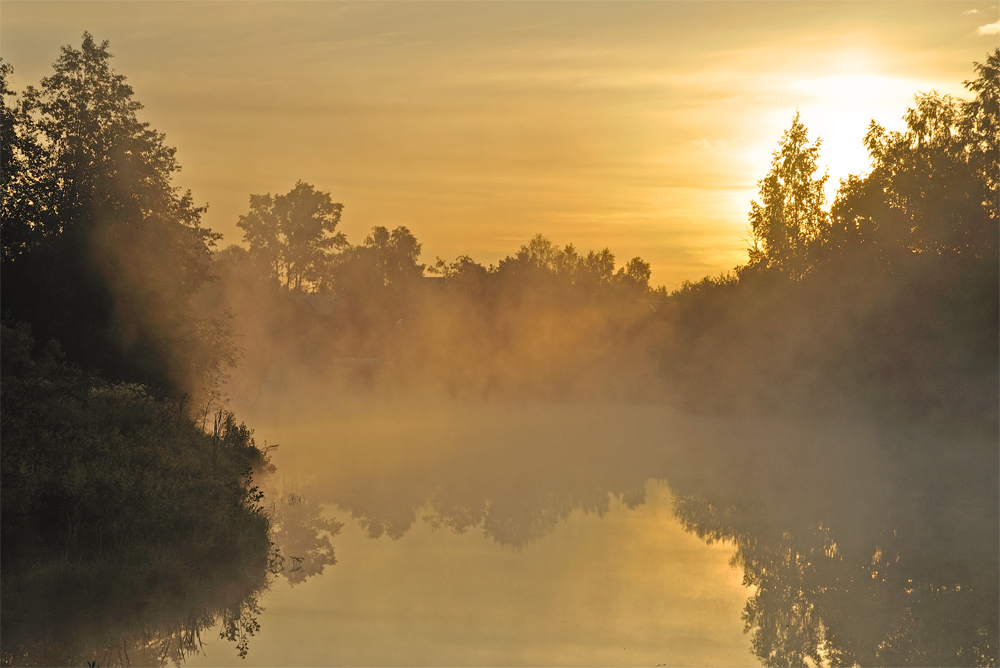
<point x="490" y="535"/>
<point x="574" y="534"/>
<point x="446" y="533"/>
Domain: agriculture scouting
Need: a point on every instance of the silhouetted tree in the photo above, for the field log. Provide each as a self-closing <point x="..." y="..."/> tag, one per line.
<point x="982" y="129"/>
<point x="935" y="200"/>
<point x="863" y="226"/>
<point x="464" y="275"/>
<point x="597" y="268"/>
<point x="933" y="186"/>
<point x="104" y="253"/>
<point x="379" y="270"/>
<point x="21" y="159"/>
<point x="635" y="274"/>
<point x="395" y="254"/>
<point x="462" y="269"/>
<point x="293" y="235"/>
<point x="786" y="223"/>
<point x="538" y="263"/>
<point x="542" y="264"/>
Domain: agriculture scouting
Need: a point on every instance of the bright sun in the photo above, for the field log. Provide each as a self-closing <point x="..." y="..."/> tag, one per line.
<point x="840" y="109"/>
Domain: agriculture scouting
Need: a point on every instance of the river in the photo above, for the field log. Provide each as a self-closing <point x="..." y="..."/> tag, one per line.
<point x="437" y="533"/>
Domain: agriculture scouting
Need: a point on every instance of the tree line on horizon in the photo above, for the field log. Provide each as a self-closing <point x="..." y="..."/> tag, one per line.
<point x="101" y="252"/>
<point x="116" y="304"/>
<point x="292" y="240"/>
<point x="892" y="288"/>
<point x="932" y="189"/>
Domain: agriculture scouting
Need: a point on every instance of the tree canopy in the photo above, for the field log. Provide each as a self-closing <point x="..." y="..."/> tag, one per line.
<point x="540" y="263"/>
<point x="932" y="189"/>
<point x="294" y="234"/>
<point x="382" y="267"/>
<point x="100" y="250"/>
<point x="787" y="222"/>
<point x="933" y="186"/>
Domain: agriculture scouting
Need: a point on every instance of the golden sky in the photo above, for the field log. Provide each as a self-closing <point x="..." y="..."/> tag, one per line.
<point x="643" y="126"/>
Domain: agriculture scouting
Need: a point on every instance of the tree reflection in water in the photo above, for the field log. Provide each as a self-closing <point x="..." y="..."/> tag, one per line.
<point x="154" y="628"/>
<point x="303" y="537"/>
<point x="133" y="615"/>
<point x="908" y="578"/>
<point x="892" y="605"/>
<point x="861" y="545"/>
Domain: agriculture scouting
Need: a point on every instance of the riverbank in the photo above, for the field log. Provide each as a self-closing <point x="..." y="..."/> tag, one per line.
<point x="114" y="499"/>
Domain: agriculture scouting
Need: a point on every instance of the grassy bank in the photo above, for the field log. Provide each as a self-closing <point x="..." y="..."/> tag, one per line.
<point x="114" y="500"/>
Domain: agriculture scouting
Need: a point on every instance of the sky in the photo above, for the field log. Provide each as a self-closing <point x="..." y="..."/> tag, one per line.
<point x="639" y="126"/>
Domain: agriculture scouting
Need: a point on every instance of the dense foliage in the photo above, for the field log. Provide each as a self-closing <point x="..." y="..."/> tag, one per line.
<point x="112" y="497"/>
<point x="95" y="468"/>
<point x="890" y="298"/>
<point x="885" y="303"/>
<point x="112" y="493"/>
<point x="100" y="250"/>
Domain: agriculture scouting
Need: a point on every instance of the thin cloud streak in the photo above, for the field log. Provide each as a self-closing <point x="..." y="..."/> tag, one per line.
<point x="504" y="120"/>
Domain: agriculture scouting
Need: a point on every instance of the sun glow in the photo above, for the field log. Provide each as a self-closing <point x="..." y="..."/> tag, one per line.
<point x="644" y="127"/>
<point x="840" y="109"/>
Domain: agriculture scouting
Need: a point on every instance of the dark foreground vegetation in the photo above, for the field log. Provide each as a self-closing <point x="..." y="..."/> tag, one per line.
<point x="127" y="495"/>
<point x="116" y="506"/>
<point x="119" y="509"/>
<point x="94" y="468"/>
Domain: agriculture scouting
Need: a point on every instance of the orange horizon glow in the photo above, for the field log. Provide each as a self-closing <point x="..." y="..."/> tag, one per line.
<point x="642" y="127"/>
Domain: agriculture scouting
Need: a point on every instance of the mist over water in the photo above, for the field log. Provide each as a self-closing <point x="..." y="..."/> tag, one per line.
<point x="544" y="461"/>
<point x="831" y="437"/>
<point x="856" y="531"/>
<point x="884" y="525"/>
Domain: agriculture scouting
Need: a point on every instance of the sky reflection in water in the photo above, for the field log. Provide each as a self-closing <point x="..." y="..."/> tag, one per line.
<point x="584" y="560"/>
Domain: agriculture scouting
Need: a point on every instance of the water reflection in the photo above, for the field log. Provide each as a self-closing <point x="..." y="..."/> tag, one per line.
<point x="512" y="472"/>
<point x="130" y="614"/>
<point x="910" y="578"/>
<point x="895" y="604"/>
<point x="860" y="544"/>
<point x="629" y="588"/>
<point x="147" y="626"/>
<point x="302" y="536"/>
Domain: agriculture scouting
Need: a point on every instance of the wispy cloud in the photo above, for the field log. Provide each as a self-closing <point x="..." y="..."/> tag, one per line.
<point x="968" y="12"/>
<point x="990" y="29"/>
